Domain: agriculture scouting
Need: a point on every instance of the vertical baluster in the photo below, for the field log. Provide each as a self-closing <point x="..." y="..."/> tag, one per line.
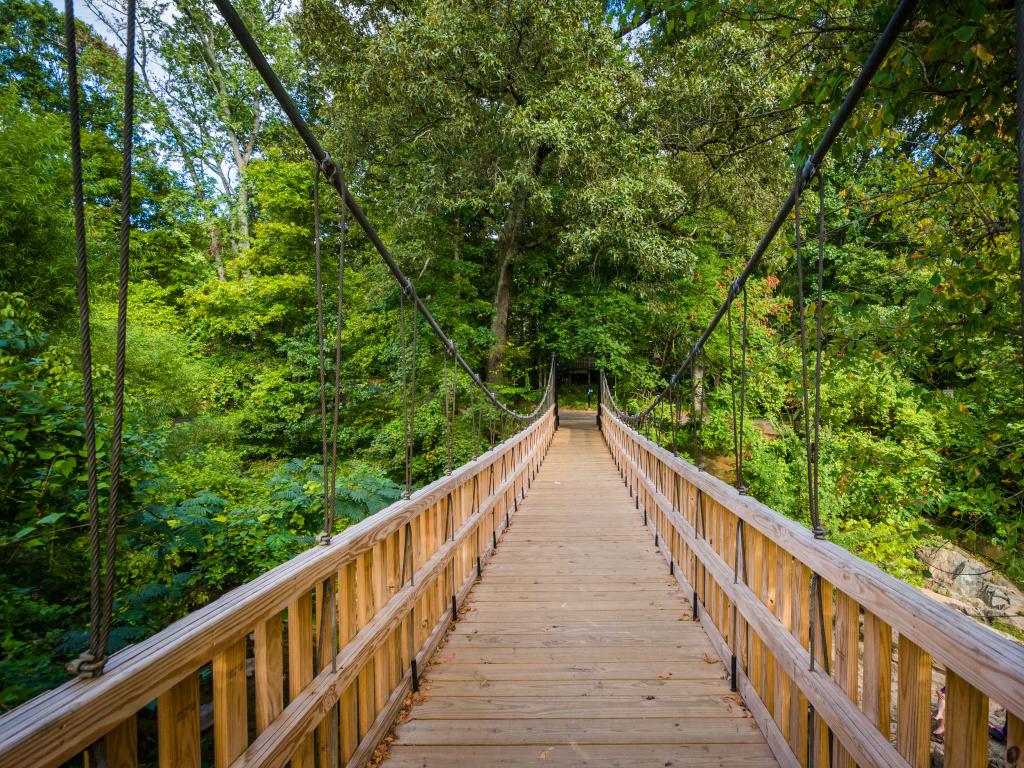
<point x="913" y="702"/>
<point x="877" y="672"/>
<point x="1014" y="741"/>
<point x="966" y="736"/>
<point x="269" y="671"/>
<point x="177" y="713"/>
<point x="120" y="745"/>
<point x="366" y="608"/>
<point x="230" y="718"/>
<point x="347" y="627"/>
<point x="755" y="570"/>
<point x="300" y="665"/>
<point x="325" y="628"/>
<point x="769" y="584"/>
<point x="847" y="660"/>
<point x="824" y="662"/>
<point x="802" y="625"/>
<point x="784" y="612"/>
<point x="381" y="681"/>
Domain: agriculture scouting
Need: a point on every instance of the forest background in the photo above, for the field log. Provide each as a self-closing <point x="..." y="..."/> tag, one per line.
<point x="558" y="176"/>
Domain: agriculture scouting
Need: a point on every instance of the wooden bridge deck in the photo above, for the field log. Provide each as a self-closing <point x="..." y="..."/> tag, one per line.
<point x="576" y="647"/>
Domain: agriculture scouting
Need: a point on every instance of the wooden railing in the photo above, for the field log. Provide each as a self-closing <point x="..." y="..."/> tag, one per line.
<point x="763" y="623"/>
<point x="396" y="577"/>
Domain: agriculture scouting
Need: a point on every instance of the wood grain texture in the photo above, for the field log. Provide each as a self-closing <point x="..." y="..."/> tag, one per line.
<point x="847" y="660"/>
<point x="178" y="725"/>
<point x="230" y="717"/>
<point x="546" y="659"/>
<point x="269" y="670"/>
<point x="965" y="741"/>
<point x="913" y="702"/>
<point x="877" y="672"/>
<point x="121" y="745"/>
<point x="300" y="666"/>
<point x="1014" y="742"/>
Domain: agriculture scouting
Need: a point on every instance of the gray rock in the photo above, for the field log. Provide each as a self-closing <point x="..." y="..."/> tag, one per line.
<point x="995" y="597"/>
<point x="970" y="579"/>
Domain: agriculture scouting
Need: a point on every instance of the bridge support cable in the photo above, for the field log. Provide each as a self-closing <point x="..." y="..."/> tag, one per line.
<point x="737" y="422"/>
<point x="334" y="176"/>
<point x="326" y="647"/>
<point x="814" y="161"/>
<point x="102" y="558"/>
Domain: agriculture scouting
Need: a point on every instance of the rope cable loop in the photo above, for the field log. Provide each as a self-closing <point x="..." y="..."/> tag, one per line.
<point x="102" y="563"/>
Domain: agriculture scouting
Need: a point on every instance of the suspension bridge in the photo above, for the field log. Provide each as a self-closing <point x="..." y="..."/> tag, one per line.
<point x="576" y="595"/>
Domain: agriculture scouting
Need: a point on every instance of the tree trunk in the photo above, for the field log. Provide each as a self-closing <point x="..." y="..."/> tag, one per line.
<point x="499" y="323"/>
<point x="243" y="214"/>
<point x="509" y="246"/>
<point x="215" y="254"/>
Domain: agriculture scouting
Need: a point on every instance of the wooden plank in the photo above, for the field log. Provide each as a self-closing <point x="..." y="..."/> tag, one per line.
<point x="366" y="609"/>
<point x="965" y="740"/>
<point x="300" y="667"/>
<point x="785" y="690"/>
<point x="913" y="701"/>
<point x="847" y="661"/>
<point x="178" y="725"/>
<point x="571" y="755"/>
<point x="877" y="672"/>
<point x="627" y="731"/>
<point x="1014" y="741"/>
<point x="689" y="669"/>
<point x="269" y="670"/>
<point x="230" y="718"/>
<point x="485" y="688"/>
<point x="825" y="660"/>
<point x="554" y="707"/>
<point x="347" y="628"/>
<point x="120" y="746"/>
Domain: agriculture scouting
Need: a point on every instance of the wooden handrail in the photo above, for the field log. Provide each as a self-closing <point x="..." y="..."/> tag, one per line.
<point x="983" y="663"/>
<point x="376" y="624"/>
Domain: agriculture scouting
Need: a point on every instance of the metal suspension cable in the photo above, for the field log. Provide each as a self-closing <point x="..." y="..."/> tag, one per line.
<point x="340" y="322"/>
<point x="860" y="85"/>
<point x="102" y="566"/>
<point x="328" y="434"/>
<point x="327" y="615"/>
<point x="331" y="172"/>
<point x="819" y="530"/>
<point x="321" y="355"/>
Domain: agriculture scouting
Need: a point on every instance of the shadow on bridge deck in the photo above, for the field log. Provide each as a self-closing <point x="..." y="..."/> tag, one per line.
<point x="576" y="648"/>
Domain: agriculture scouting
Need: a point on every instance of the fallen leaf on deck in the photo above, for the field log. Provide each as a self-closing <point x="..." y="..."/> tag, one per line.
<point x="664" y="675"/>
<point x="708" y="659"/>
